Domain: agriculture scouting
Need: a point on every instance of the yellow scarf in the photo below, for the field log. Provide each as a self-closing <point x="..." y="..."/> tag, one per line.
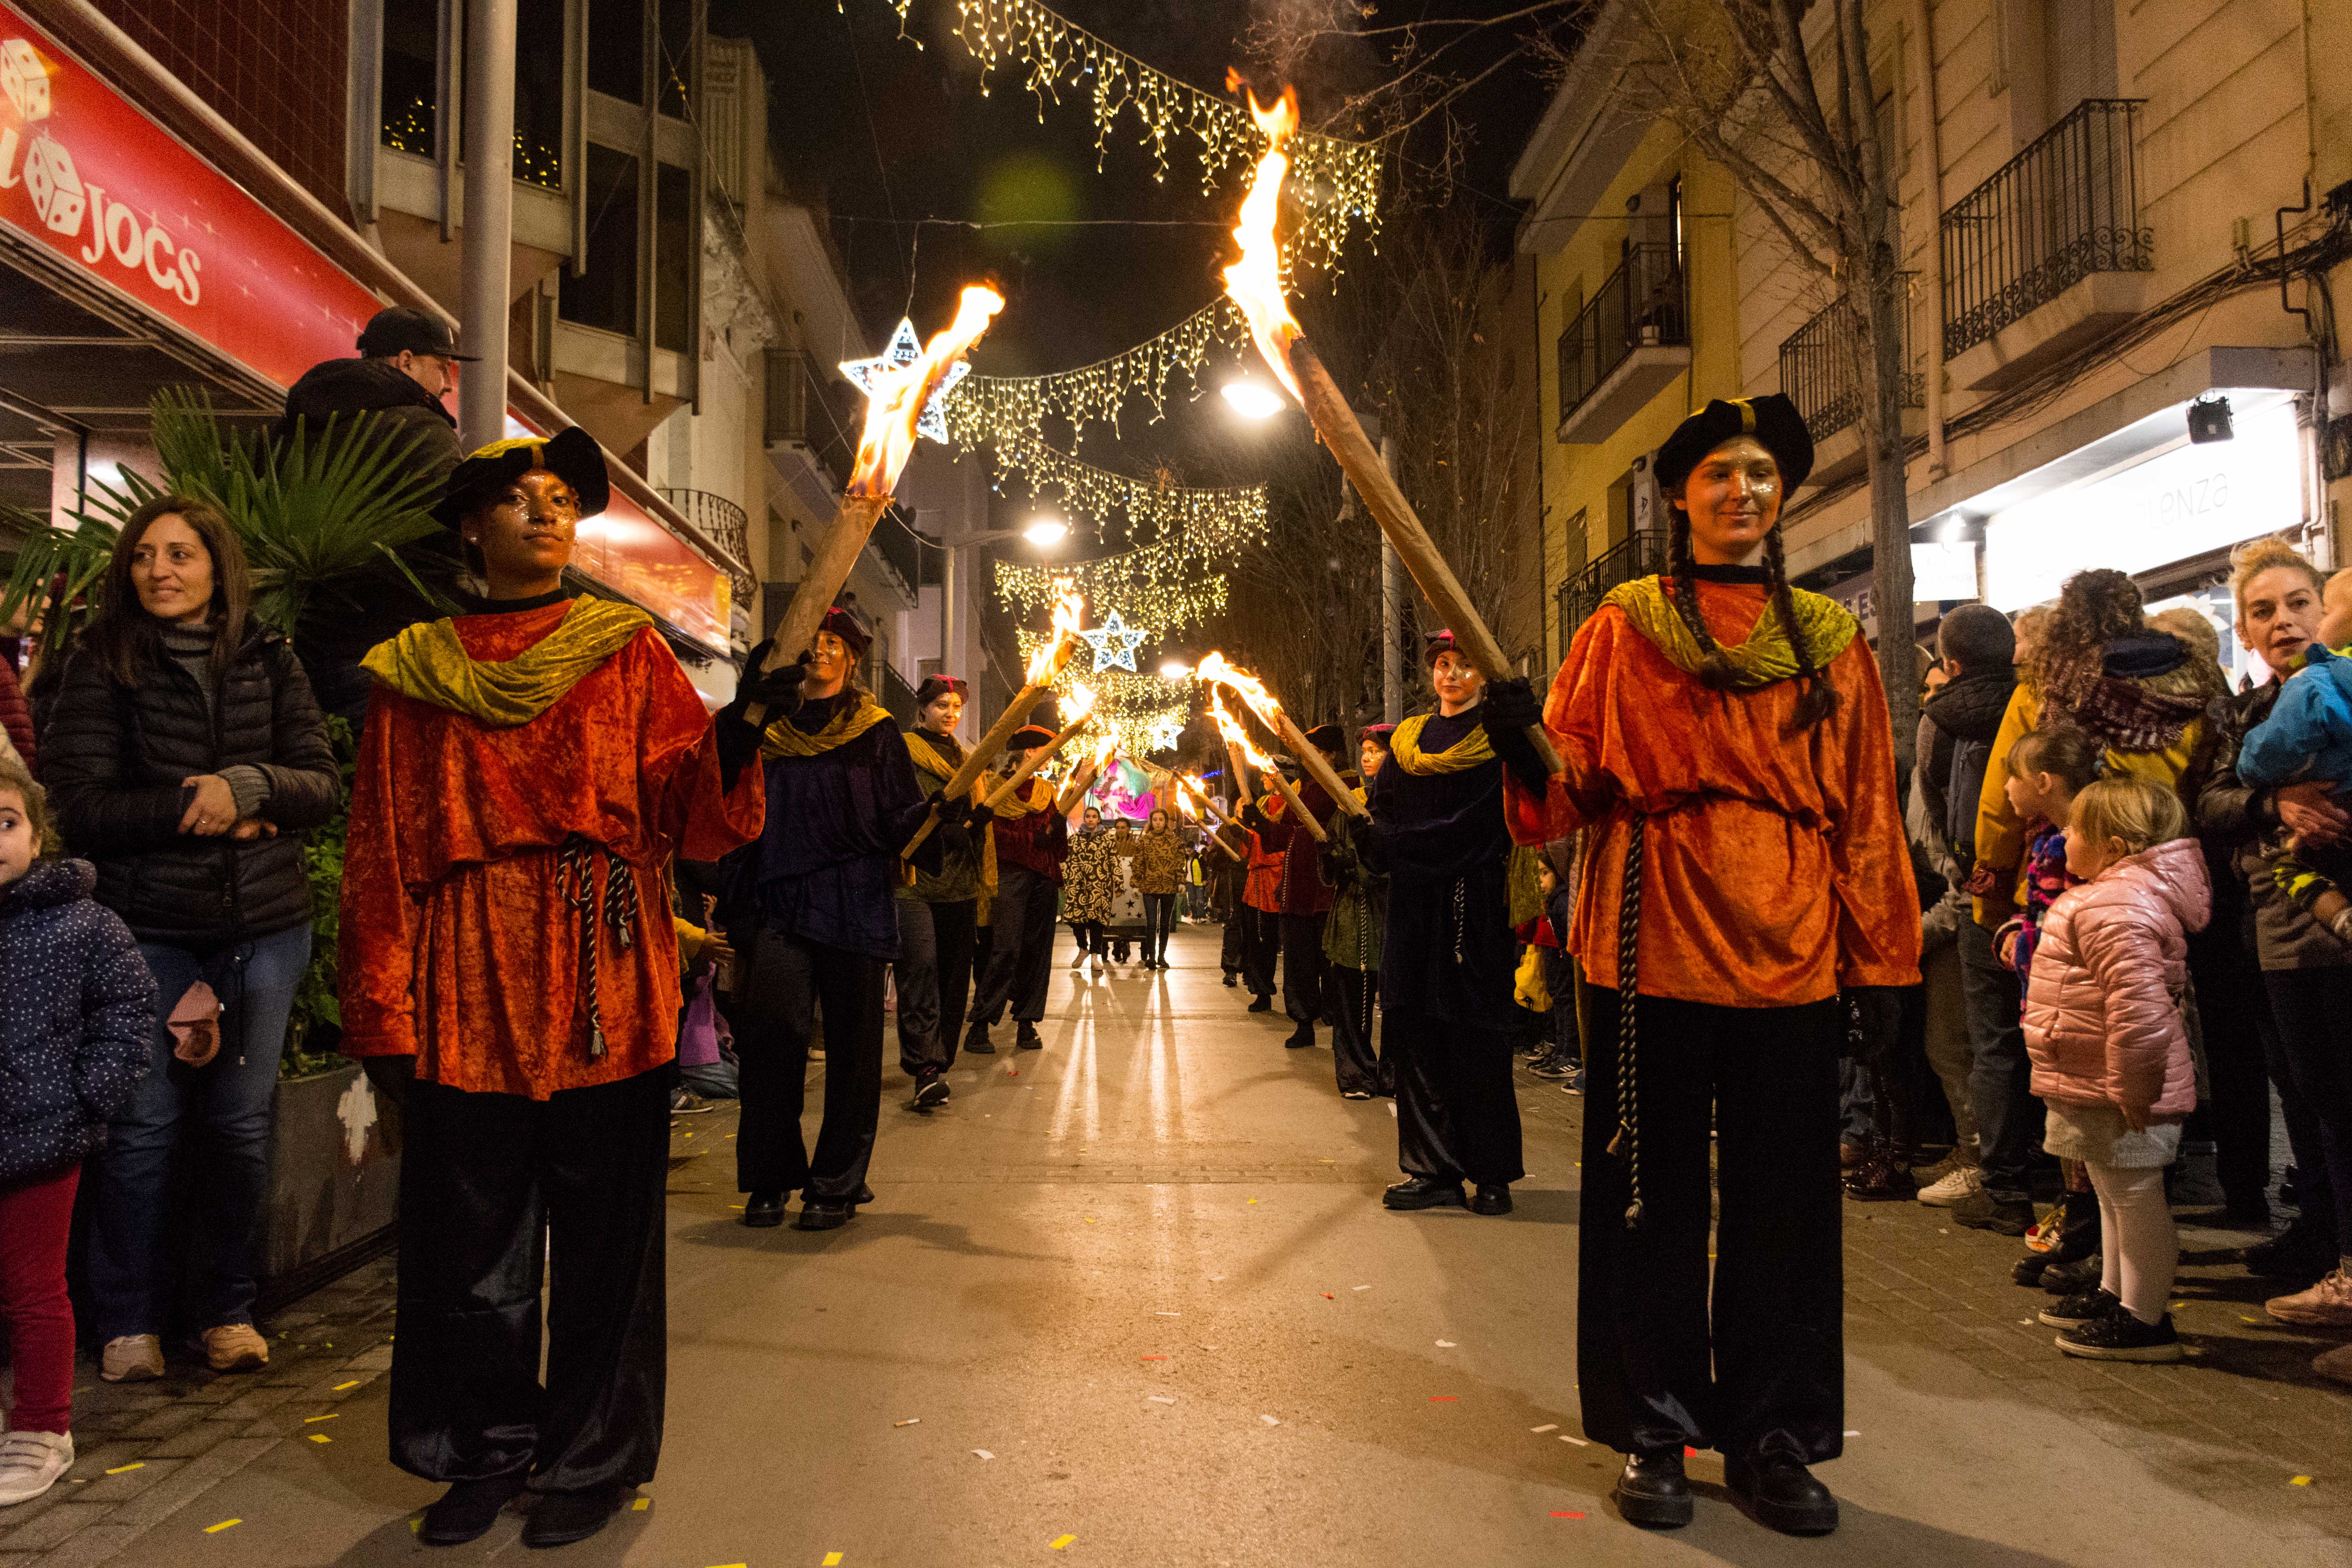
<point x="784" y="740"/>
<point x="429" y="662"/>
<point x="1765" y="656"/>
<point x="1021" y="802"/>
<point x="926" y="756"/>
<point x="1404" y="749"/>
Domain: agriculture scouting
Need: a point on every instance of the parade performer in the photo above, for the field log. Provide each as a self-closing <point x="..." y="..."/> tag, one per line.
<point x="1087" y="873"/>
<point x="1228" y="874"/>
<point x="1353" y="939"/>
<point x="528" y="772"/>
<point x="1723" y="739"/>
<point x="1029" y="831"/>
<point x="938" y="911"/>
<point x="842" y="802"/>
<point x="1446" y="968"/>
<point x="1260" y="904"/>
<point x="1302" y="898"/>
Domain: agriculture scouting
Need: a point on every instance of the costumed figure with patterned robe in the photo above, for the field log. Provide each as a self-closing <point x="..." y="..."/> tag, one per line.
<point x="1446" y="965"/>
<point x="1353" y="936"/>
<point x="819" y="894"/>
<point x="1725" y="749"/>
<point x="939" y="912"/>
<point x="528" y="774"/>
<point x="1028" y="834"/>
<point x="1087" y="873"/>
<point x="1302" y="898"/>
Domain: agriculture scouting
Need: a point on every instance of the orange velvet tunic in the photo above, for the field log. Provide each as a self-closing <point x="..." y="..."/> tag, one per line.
<point x="1775" y="867"/>
<point x="457" y="945"/>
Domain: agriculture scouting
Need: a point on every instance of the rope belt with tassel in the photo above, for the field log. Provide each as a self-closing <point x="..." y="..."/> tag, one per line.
<point x="1627" y="1143"/>
<point x="576" y="860"/>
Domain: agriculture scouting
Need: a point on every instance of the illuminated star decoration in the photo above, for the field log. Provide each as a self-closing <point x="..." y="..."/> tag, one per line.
<point x="905" y="350"/>
<point x="1114" y="643"/>
<point x="1168" y="733"/>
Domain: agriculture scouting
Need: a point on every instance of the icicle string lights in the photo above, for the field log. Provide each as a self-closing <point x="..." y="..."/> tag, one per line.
<point x="1156" y="605"/>
<point x="1338" y="182"/>
<point x="1217" y="521"/>
<point x="995" y="410"/>
<point x="1135" y="708"/>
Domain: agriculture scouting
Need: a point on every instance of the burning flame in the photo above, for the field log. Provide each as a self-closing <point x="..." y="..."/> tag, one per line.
<point x="899" y="395"/>
<point x="1234" y="734"/>
<point x="1254" y="281"/>
<point x="1218" y="669"/>
<point x="1069" y="614"/>
<point x="1106" y="751"/>
<point x="1081" y="706"/>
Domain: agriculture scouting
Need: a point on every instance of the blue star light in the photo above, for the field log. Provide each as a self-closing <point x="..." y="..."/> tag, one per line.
<point x="905" y="350"/>
<point x="1114" y="643"/>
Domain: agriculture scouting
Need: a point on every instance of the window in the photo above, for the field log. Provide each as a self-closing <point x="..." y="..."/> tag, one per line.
<point x="605" y="293"/>
<point x="617" y="49"/>
<point x="539" y="93"/>
<point x="677" y="67"/>
<point x="411" y="87"/>
<point x="674" y="255"/>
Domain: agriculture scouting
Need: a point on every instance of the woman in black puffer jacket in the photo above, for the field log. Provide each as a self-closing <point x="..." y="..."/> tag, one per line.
<point x="185" y="754"/>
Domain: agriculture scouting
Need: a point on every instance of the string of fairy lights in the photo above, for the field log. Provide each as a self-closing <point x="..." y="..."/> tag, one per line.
<point x="1151" y="598"/>
<point x="1003" y="409"/>
<point x="1215" y="521"/>
<point x="1146" y="711"/>
<point x="1338" y="183"/>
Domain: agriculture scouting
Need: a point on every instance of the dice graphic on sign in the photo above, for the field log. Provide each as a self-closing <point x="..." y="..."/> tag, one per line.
<point x="55" y="187"/>
<point x="25" y="79"/>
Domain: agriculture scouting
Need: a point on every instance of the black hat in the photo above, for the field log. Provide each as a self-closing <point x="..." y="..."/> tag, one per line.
<point x="1377" y="734"/>
<point x="1772" y="419"/>
<point x="1327" y="737"/>
<point x="571" y="455"/>
<point x="1029" y="737"/>
<point x="935" y="686"/>
<point x="848" y="628"/>
<point x="402" y="330"/>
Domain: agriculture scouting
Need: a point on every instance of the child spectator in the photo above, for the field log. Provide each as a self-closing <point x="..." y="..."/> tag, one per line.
<point x="2110" y="1049"/>
<point x="75" y="1015"/>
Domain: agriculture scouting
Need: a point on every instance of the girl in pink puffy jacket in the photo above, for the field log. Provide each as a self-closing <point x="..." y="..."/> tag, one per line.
<point x="2110" y="1049"/>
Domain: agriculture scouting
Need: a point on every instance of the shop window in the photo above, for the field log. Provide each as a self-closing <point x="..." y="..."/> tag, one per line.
<point x="411" y="86"/>
<point x="539" y="93"/>
<point x="617" y="49"/>
<point x="605" y="293"/>
<point x="674" y="253"/>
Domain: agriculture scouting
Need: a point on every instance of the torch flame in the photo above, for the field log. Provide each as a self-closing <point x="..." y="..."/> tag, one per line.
<point x="1081" y="706"/>
<point x="1218" y="669"/>
<point x="1069" y="614"/>
<point x="899" y="395"/>
<point x="1234" y="734"/>
<point x="1106" y="751"/>
<point x="1254" y="281"/>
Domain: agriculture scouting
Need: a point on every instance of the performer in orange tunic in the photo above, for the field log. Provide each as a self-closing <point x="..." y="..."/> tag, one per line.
<point x="527" y="774"/>
<point x="1724" y="742"/>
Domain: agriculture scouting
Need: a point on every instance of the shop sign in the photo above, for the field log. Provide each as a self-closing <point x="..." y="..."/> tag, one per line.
<point x="86" y="175"/>
<point x="2185" y="502"/>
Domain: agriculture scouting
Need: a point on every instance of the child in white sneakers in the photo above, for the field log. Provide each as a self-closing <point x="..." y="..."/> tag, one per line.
<point x="77" y="1010"/>
<point x="2110" y="1049"/>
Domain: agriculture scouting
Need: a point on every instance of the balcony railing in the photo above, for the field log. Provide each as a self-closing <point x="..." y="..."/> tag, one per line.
<point x="802" y="410"/>
<point x="1640" y="553"/>
<point x="2064" y="208"/>
<point x="1818" y="363"/>
<point x="1641" y="306"/>
<point x="723" y="523"/>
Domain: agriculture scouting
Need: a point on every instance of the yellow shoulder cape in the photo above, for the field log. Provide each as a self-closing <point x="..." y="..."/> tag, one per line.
<point x="1404" y="749"/>
<point x="784" y="740"/>
<point x="1765" y="656"/>
<point x="428" y="662"/>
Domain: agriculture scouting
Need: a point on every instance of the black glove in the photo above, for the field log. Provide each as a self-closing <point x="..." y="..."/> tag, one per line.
<point x="778" y="691"/>
<point x="955" y="839"/>
<point x="950" y="813"/>
<point x="1511" y="705"/>
<point x="1507" y="712"/>
<point x="976" y="817"/>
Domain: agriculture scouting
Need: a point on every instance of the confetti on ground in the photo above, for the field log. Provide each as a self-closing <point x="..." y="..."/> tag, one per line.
<point x="984" y="1453"/>
<point x="2299" y="1480"/>
<point x="1444" y="1398"/>
<point x="1562" y="1513"/>
<point x="642" y="1504"/>
<point x="1059" y="1541"/>
<point x="341" y="1386"/>
<point x="321" y="1437"/>
<point x="1152" y="1358"/>
<point x="1360" y="1287"/>
<point x="1253" y="1200"/>
<point x="1329" y="1296"/>
<point x="910" y="1421"/>
<point x="1445" y="1344"/>
<point x="1168" y="1314"/>
<point x="1578" y="1441"/>
<point x="224" y="1524"/>
<point x="1269" y="1421"/>
<point x="329" y="1415"/>
<point x="1546" y="1427"/>
<point x="2243" y="1319"/>
<point x="1162" y="1399"/>
<point x="1216" y="1278"/>
<point x="1090" y="1220"/>
<point x="138" y="1465"/>
<point x="833" y="1560"/>
<point x="1853" y="1434"/>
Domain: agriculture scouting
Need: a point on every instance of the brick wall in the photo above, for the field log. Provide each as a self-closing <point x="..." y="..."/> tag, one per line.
<point x="273" y="69"/>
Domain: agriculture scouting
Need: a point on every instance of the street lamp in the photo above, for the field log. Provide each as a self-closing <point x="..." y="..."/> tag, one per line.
<point x="1043" y="532"/>
<point x="1175" y="670"/>
<point x="1251" y="398"/>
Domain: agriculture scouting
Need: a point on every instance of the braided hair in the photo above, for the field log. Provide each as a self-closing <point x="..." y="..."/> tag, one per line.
<point x="1817" y="699"/>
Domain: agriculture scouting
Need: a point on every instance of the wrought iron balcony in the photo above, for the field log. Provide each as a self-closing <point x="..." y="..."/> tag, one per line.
<point x="1641" y="306"/>
<point x="1819" y="363"/>
<point x="722" y="523"/>
<point x="1641" y="553"/>
<point x="2066" y="208"/>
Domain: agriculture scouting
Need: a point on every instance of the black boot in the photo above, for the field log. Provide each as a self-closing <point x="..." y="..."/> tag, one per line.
<point x="1423" y="1192"/>
<point x="559" y="1519"/>
<point x="1024" y="1035"/>
<point x="1494" y="1197"/>
<point x="466" y="1510"/>
<point x="1652" y="1491"/>
<point x="1301" y="1038"/>
<point x="931" y="1089"/>
<point x="1262" y="1004"/>
<point x="1784" y="1495"/>
<point x="762" y="1210"/>
<point x="975" y="1040"/>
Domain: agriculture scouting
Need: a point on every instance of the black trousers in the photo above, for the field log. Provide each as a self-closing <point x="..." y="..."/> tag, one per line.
<point x="1303" y="964"/>
<point x="1458" y="1112"/>
<point x="1090" y="937"/>
<point x="1355" y="1060"/>
<point x="934" y="971"/>
<point x="1021" y="960"/>
<point x="1230" y="942"/>
<point x="1159" y="920"/>
<point x="1763" y="1371"/>
<point x="2233" y="1009"/>
<point x="1261" y="948"/>
<point x="492" y="1188"/>
<point x="786" y="984"/>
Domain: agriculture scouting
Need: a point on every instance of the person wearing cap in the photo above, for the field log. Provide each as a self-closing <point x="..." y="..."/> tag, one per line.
<point x="407" y="364"/>
<point x="819" y="891"/>
<point x="938" y="910"/>
<point x="1447" y="963"/>
<point x="1028" y="835"/>
<point x="1261" y="909"/>
<point x="1724" y="743"/>
<point x="528" y="774"/>
<point x="1302" y="899"/>
<point x="1353" y="934"/>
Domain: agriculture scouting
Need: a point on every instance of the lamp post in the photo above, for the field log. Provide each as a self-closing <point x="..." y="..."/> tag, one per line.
<point x="1044" y="531"/>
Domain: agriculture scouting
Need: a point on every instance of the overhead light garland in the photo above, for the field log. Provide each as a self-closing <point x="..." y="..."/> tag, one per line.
<point x="1338" y="183"/>
<point x="1137" y="709"/>
<point x="1157" y="589"/>
<point x="1220" y="519"/>
<point x="1003" y="410"/>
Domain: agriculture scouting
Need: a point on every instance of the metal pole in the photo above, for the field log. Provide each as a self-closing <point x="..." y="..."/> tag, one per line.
<point x="947" y="606"/>
<point x="489" y="217"/>
<point x="1392" y="613"/>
